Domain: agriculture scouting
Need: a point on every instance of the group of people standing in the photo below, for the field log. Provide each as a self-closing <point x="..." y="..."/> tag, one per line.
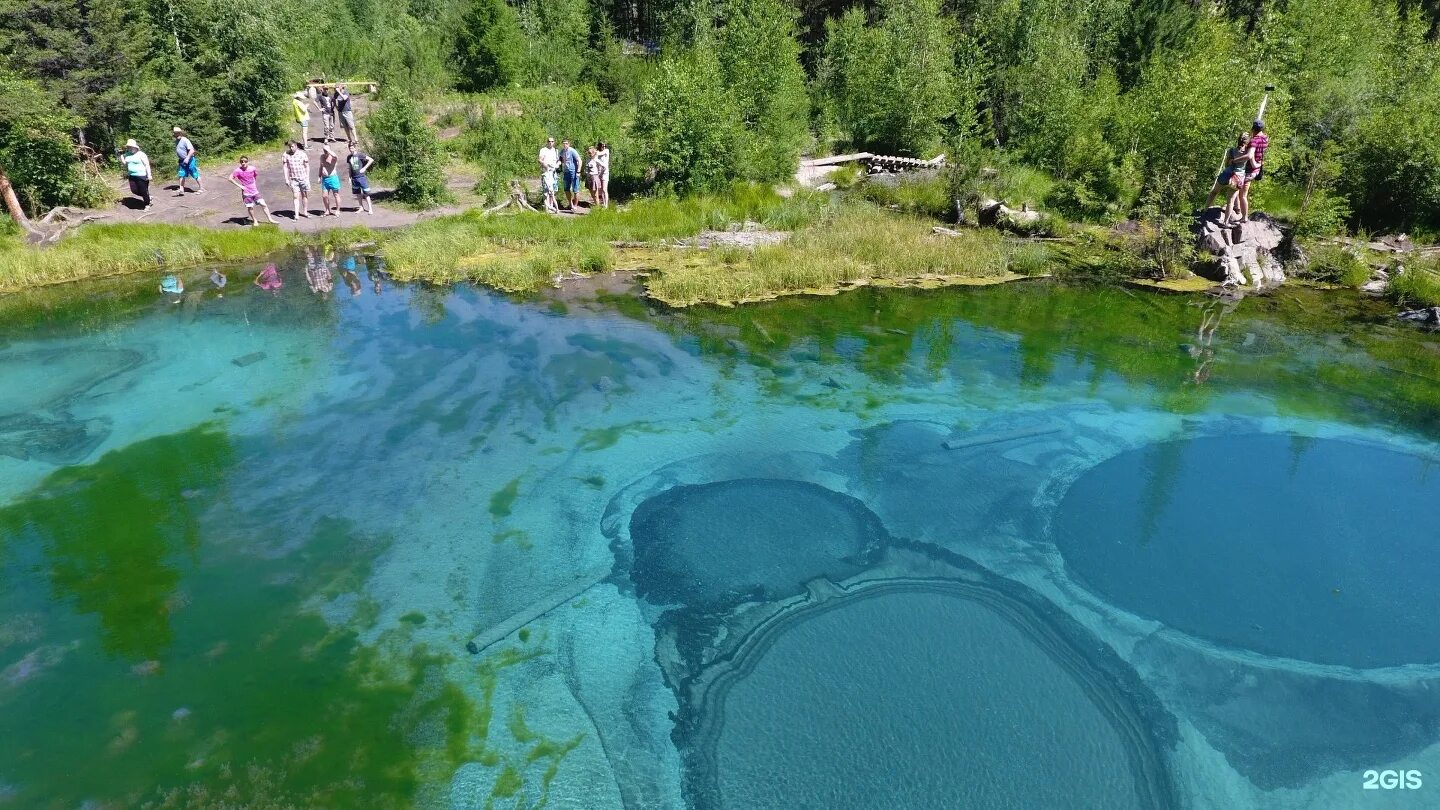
<point x="335" y="106"/>
<point x="565" y="163"/>
<point x="1243" y="165"/>
<point x="560" y="168"/>
<point x="333" y="103"/>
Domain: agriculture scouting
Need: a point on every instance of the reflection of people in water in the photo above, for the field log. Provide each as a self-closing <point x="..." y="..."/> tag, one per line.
<point x="317" y="274"/>
<point x="373" y="268"/>
<point x="1203" y="350"/>
<point x="219" y="281"/>
<point x="347" y="272"/>
<point x="269" y="278"/>
<point x="172" y="285"/>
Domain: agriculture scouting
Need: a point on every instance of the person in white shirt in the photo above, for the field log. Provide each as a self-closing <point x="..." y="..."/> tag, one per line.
<point x="549" y="165"/>
<point x="603" y="155"/>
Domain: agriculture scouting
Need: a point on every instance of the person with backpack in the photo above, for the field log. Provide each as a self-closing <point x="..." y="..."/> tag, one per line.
<point x="1255" y="168"/>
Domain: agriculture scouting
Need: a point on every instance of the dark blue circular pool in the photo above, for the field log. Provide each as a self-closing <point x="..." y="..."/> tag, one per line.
<point x="923" y="696"/>
<point x="1323" y="550"/>
<point x="710" y="546"/>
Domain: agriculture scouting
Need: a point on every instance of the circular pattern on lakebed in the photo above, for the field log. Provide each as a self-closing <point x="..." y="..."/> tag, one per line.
<point x="1321" y="550"/>
<point x="712" y="546"/>
<point x="921" y="695"/>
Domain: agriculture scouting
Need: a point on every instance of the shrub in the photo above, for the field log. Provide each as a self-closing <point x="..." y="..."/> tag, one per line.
<point x="401" y="141"/>
<point x="762" y="70"/>
<point x="35" y="151"/>
<point x="1333" y="264"/>
<point x="503" y="139"/>
<point x="687" y="123"/>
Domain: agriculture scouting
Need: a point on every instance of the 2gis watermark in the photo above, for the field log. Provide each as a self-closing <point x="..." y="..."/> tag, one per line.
<point x="1392" y="780"/>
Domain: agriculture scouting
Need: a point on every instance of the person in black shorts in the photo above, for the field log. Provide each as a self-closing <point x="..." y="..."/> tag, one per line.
<point x="359" y="163"/>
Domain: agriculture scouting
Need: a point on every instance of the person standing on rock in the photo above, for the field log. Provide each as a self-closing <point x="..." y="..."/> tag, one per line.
<point x="137" y="171"/>
<point x="1255" y="169"/>
<point x="549" y="165"/>
<point x="1232" y="175"/>
<point x="297" y="176"/>
<point x="359" y="164"/>
<point x="247" y="179"/>
<point x="189" y="162"/>
<point x="345" y="108"/>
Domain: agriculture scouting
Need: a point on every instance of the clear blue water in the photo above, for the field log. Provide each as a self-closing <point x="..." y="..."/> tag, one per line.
<point x="1024" y="546"/>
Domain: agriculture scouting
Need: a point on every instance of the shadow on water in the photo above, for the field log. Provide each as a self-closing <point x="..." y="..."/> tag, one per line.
<point x="110" y="530"/>
<point x="207" y="682"/>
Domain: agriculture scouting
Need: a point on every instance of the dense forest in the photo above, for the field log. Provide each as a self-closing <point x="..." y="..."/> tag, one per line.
<point x="1123" y="107"/>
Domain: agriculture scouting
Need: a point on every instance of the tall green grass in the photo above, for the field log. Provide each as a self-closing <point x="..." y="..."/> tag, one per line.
<point x="861" y="244"/>
<point x="492" y="249"/>
<point x="1418" y="286"/>
<point x="97" y="251"/>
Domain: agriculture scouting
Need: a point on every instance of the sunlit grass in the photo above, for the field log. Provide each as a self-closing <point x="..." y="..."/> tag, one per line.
<point x="1418" y="286"/>
<point x="521" y="251"/>
<point x="860" y="245"/>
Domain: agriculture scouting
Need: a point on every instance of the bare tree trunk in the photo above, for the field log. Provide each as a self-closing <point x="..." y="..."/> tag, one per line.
<point x="12" y="204"/>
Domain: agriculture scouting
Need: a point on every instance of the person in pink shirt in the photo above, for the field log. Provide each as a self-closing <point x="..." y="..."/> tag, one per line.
<point x="1255" y="168"/>
<point x="247" y="178"/>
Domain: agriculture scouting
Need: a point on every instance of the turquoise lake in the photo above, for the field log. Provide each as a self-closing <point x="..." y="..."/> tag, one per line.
<point x="1026" y="546"/>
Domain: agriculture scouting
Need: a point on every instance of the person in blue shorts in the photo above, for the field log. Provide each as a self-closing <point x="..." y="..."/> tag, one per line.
<point x="329" y="181"/>
<point x="189" y="161"/>
<point x="359" y="163"/>
<point x="570" y="160"/>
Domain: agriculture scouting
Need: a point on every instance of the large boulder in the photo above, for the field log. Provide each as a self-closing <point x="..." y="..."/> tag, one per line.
<point x="1240" y="254"/>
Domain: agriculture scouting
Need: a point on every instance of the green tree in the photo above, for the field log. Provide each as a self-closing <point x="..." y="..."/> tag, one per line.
<point x="687" y="122"/>
<point x="402" y="142"/>
<point x="1187" y="108"/>
<point x="489" y="46"/>
<point x="37" y="157"/>
<point x="1392" y="163"/>
<point x="894" y="87"/>
<point x="556" y="39"/>
<point x="762" y="71"/>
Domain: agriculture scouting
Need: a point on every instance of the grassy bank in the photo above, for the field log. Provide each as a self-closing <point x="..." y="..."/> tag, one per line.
<point x="833" y="244"/>
<point x="98" y="251"/>
<point x="101" y="251"/>
<point x="524" y="251"/>
<point x="857" y="245"/>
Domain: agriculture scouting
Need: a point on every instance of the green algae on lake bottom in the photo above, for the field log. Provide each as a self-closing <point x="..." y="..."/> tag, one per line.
<point x="205" y="681"/>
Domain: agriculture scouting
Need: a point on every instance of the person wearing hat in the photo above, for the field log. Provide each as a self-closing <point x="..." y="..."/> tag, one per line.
<point x="300" y="103"/>
<point x="189" y="163"/>
<point x="1255" y="169"/>
<point x="137" y="171"/>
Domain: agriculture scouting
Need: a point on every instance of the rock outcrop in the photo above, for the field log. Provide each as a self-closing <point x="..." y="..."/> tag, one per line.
<point x="1240" y="254"/>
